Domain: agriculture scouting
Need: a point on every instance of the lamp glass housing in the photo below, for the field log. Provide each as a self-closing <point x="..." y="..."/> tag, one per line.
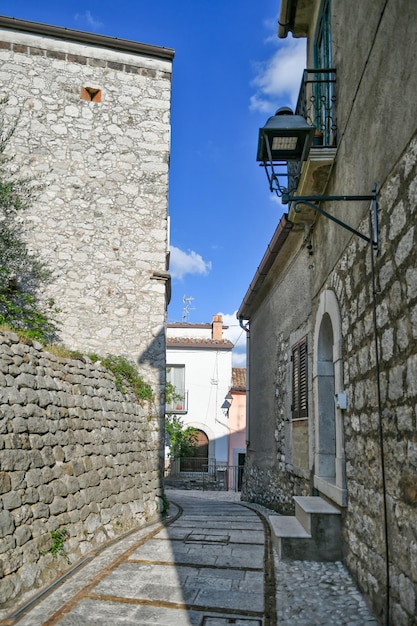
<point x="285" y="137"/>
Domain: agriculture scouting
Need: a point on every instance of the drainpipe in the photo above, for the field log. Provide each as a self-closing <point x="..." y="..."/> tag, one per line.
<point x="380" y="429"/>
<point x="245" y="327"/>
<point x="286" y="17"/>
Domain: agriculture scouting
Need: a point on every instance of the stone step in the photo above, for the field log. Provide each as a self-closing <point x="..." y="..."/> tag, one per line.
<point x="308" y="507"/>
<point x="313" y="534"/>
<point x="288" y="535"/>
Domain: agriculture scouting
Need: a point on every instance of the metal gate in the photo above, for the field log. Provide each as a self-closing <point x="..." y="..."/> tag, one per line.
<point x="204" y="474"/>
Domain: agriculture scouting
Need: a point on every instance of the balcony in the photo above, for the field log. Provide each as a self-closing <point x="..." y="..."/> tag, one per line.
<point x="179" y="404"/>
<point x="317" y="104"/>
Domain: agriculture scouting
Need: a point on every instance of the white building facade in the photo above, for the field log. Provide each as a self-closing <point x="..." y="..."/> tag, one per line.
<point x="199" y="365"/>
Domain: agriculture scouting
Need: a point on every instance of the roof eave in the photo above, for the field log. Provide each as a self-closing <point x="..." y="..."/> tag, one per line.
<point x="280" y="236"/>
<point x="284" y="19"/>
<point x="200" y="346"/>
<point x="294" y="17"/>
<point x="82" y="37"/>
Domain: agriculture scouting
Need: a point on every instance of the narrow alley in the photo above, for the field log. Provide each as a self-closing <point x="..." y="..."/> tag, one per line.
<point x="210" y="564"/>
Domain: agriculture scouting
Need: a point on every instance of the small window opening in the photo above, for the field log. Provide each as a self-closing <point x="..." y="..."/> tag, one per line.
<point x="91" y="93"/>
<point x="299" y="380"/>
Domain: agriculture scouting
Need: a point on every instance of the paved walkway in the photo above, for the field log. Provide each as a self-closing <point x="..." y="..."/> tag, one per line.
<point x="211" y="565"/>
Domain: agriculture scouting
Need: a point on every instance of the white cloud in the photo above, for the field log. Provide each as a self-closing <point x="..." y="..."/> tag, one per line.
<point x="88" y="19"/>
<point x="237" y="336"/>
<point x="279" y="78"/>
<point x="190" y="262"/>
<point x="238" y="359"/>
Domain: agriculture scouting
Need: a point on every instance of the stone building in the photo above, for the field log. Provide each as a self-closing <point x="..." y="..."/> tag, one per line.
<point x="332" y="359"/>
<point x="94" y="130"/>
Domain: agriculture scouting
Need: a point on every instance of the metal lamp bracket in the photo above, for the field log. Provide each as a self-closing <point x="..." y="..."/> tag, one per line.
<point x="311" y="201"/>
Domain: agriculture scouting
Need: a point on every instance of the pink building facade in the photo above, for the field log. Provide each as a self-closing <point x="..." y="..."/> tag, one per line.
<point x="237" y="427"/>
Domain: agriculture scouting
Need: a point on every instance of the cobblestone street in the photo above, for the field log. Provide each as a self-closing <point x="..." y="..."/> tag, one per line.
<point x="211" y="564"/>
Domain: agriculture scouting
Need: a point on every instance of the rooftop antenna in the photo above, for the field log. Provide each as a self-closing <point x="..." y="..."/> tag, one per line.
<point x="187" y="307"/>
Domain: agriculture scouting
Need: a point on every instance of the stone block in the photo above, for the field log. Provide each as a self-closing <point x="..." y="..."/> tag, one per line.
<point x="58" y="505"/>
<point x="5" y="482"/>
<point x="7" y="523"/>
<point x="40" y="510"/>
<point x="14" y="460"/>
<point x="11" y="500"/>
<point x="30" y="496"/>
<point x="22" y="535"/>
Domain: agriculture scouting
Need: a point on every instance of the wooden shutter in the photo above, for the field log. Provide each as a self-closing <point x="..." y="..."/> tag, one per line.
<point x="299" y="380"/>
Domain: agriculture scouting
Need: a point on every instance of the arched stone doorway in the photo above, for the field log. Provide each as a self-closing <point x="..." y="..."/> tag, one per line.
<point x="329" y="457"/>
<point x="326" y="417"/>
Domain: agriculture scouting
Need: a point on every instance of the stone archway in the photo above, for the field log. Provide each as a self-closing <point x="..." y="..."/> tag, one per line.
<point x="329" y="457"/>
<point x="326" y="417"/>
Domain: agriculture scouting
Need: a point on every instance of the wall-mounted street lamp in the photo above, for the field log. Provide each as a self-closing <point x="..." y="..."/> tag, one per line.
<point x="285" y="141"/>
<point x="285" y="137"/>
<point x="227" y="404"/>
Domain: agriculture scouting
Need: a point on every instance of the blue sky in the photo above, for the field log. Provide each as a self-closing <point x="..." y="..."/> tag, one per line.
<point x="230" y="73"/>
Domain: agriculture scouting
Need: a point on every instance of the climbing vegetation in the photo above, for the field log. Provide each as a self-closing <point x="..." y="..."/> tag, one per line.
<point x="22" y="273"/>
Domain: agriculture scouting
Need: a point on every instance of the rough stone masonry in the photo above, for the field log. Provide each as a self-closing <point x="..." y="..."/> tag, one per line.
<point x="75" y="454"/>
<point x="93" y="129"/>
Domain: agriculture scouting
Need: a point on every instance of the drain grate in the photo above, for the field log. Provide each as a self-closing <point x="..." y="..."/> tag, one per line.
<point x="228" y="621"/>
<point x="207" y="539"/>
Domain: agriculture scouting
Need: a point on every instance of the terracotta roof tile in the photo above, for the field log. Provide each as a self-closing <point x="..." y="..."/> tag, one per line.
<point x="238" y="378"/>
<point x="198" y="342"/>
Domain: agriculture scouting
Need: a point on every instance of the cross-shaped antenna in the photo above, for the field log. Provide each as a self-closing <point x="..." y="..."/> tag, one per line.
<point x="187" y="307"/>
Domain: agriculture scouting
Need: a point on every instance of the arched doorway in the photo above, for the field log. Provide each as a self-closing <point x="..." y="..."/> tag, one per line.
<point x="202" y="451"/>
<point x="199" y="461"/>
<point x="326" y="418"/>
<point x="329" y="457"/>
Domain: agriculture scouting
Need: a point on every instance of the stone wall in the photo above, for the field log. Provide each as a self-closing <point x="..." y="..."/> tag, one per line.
<point x="94" y="130"/>
<point x="396" y="315"/>
<point x="76" y="454"/>
<point x="275" y="470"/>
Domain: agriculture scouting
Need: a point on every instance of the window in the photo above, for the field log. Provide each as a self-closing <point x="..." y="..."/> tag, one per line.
<point x="178" y="399"/>
<point x="323" y="85"/>
<point x="90" y="93"/>
<point x="299" y="408"/>
<point x="323" y="38"/>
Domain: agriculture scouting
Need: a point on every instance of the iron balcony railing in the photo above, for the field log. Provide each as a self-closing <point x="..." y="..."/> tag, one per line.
<point x="179" y="404"/>
<point x="317" y="104"/>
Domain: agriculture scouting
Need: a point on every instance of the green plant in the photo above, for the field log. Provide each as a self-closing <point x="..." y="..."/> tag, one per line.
<point x="126" y="374"/>
<point x="165" y="505"/>
<point x="59" y="350"/>
<point x="22" y="274"/>
<point x="58" y="538"/>
<point x="181" y="440"/>
<point x="171" y="394"/>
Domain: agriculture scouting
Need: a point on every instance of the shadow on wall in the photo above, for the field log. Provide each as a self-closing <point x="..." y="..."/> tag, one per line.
<point x="153" y="361"/>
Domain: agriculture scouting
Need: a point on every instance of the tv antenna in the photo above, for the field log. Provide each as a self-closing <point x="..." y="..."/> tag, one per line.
<point x="187" y="307"/>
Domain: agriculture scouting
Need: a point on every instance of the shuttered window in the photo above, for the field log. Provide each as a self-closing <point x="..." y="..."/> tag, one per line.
<point x="299" y="380"/>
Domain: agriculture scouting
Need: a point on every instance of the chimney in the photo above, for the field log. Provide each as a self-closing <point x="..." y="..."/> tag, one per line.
<point x="217" y="327"/>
